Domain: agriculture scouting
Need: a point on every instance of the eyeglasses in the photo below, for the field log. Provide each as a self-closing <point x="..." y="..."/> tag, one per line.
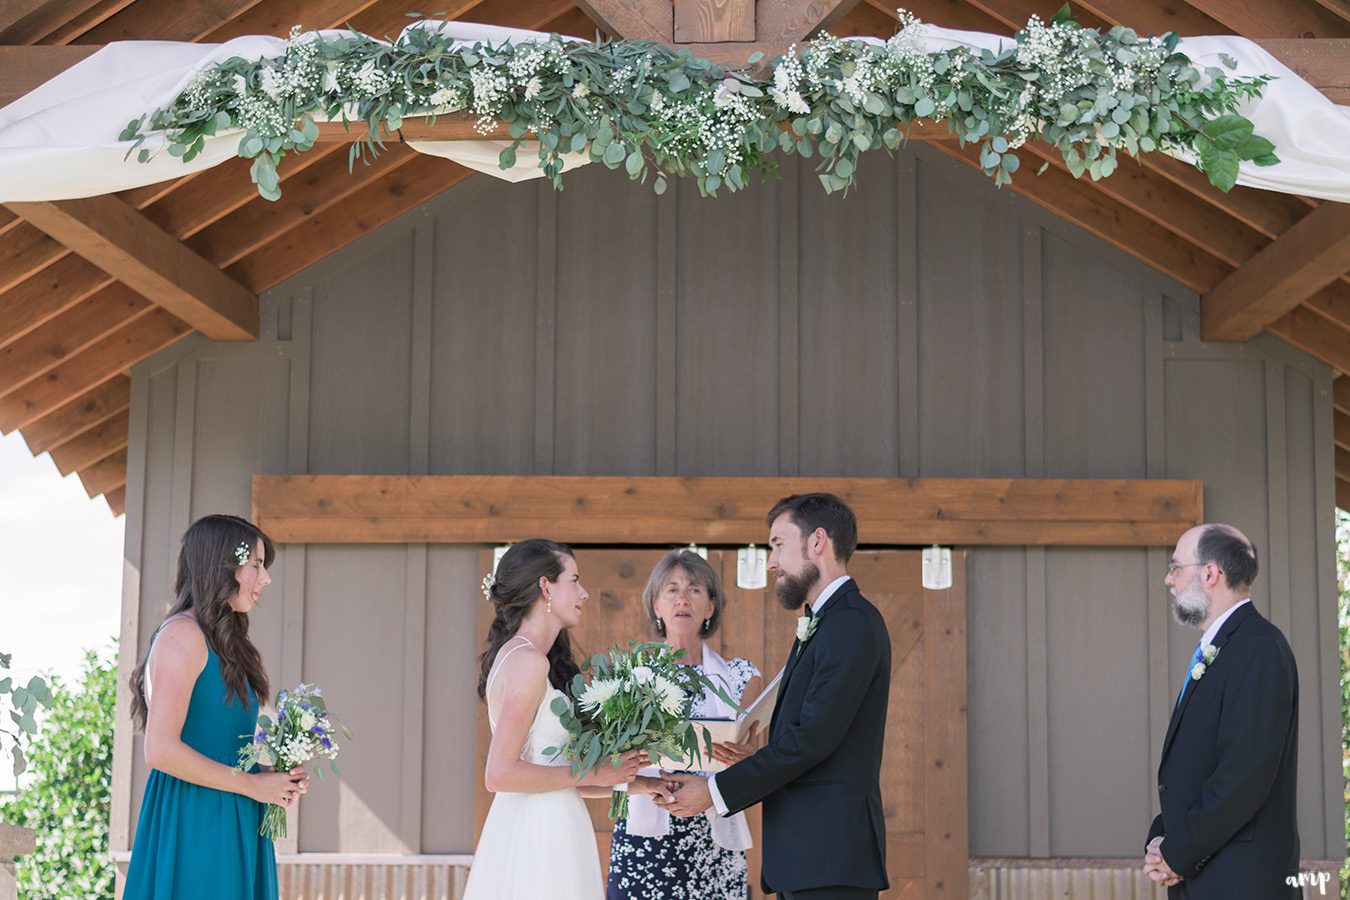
<point x="1173" y="565"/>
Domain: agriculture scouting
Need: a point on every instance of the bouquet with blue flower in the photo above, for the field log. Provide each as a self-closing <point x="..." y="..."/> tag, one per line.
<point x="637" y="699"/>
<point x="300" y="731"/>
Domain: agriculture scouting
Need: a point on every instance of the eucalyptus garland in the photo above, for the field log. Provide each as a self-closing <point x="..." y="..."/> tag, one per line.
<point x="654" y="110"/>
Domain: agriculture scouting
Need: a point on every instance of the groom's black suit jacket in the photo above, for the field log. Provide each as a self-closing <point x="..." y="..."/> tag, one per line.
<point x="1228" y="773"/>
<point x="819" y="774"/>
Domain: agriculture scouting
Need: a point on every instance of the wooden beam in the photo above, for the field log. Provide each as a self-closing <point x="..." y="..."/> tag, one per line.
<point x="1323" y="62"/>
<point x="117" y="500"/>
<point x="1314" y="335"/>
<point x="111" y="356"/>
<point x="74" y="418"/>
<point x="1343" y="494"/>
<point x="491" y="509"/>
<point x="635" y="20"/>
<point x="258" y="222"/>
<point x="125" y="244"/>
<point x="105" y="474"/>
<point x="409" y="185"/>
<point x="714" y="21"/>
<point x="1076" y="202"/>
<point x="99" y="442"/>
<point x="1342" y="463"/>
<point x="1284" y="19"/>
<point x="1298" y="264"/>
<point x="24" y="68"/>
<point x="793" y="21"/>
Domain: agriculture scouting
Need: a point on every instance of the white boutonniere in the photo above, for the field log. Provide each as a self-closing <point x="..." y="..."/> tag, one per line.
<point x="806" y="626"/>
<point x="1208" y="653"/>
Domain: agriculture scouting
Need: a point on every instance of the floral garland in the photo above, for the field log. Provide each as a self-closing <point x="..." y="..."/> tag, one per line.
<point x="644" y="106"/>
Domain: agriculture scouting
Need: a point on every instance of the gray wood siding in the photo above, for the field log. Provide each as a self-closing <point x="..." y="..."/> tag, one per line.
<point x="926" y="325"/>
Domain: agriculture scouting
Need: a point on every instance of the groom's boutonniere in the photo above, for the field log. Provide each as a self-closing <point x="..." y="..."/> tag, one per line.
<point x="806" y="626"/>
<point x="1208" y="653"/>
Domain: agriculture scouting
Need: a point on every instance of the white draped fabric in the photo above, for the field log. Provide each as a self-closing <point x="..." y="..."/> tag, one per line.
<point x="61" y="140"/>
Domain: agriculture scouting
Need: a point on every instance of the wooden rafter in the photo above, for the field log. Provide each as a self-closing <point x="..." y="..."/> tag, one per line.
<point x="106" y="474"/>
<point x="68" y="334"/>
<point x="1314" y="335"/>
<point x="1307" y="258"/>
<point x="88" y="448"/>
<point x="125" y="244"/>
<point x="77" y="416"/>
<point x="489" y="509"/>
<point x="109" y="357"/>
<point x="1340" y="393"/>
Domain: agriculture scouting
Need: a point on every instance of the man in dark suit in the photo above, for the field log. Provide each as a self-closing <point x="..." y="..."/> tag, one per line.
<point x="819" y="774"/>
<point x="1226" y="783"/>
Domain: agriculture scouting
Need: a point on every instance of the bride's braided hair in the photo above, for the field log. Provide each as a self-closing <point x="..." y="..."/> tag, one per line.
<point x="514" y="591"/>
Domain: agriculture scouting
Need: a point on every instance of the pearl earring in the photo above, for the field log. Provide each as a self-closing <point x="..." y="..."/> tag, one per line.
<point x="548" y="604"/>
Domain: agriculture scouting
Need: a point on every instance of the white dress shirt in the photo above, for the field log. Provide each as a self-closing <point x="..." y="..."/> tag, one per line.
<point x="824" y="598"/>
<point x="1213" y="629"/>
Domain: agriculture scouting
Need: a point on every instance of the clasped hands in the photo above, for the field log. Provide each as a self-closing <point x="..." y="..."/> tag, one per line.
<point x="1156" y="868"/>
<point x="683" y="794"/>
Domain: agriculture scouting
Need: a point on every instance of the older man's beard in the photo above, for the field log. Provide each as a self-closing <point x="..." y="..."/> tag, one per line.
<point x="792" y="590"/>
<point x="1190" y="605"/>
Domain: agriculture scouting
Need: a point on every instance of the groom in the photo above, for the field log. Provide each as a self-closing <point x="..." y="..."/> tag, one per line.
<point x="818" y="775"/>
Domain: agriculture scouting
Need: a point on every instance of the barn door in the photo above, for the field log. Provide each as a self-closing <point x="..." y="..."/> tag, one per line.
<point x="924" y="769"/>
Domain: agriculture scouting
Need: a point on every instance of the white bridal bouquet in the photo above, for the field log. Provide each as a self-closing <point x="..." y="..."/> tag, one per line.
<point x="301" y="732"/>
<point x="637" y="699"/>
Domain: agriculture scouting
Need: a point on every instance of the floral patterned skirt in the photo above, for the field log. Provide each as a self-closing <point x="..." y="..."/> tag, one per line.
<point x="686" y="864"/>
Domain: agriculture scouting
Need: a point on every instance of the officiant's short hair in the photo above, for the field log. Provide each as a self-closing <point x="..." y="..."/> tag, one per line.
<point x="700" y="571"/>
<point x="821" y="510"/>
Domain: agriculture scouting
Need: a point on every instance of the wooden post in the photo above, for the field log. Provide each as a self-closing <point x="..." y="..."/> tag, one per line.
<point x="14" y="842"/>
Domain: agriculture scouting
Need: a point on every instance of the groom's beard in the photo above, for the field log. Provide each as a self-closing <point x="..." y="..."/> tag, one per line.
<point x="1190" y="605"/>
<point x="792" y="590"/>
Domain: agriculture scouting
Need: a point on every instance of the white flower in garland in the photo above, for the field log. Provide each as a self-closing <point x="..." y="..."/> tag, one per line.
<point x="533" y="87"/>
<point x="580" y="90"/>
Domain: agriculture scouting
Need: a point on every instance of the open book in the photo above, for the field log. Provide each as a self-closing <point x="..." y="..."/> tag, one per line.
<point x="737" y="730"/>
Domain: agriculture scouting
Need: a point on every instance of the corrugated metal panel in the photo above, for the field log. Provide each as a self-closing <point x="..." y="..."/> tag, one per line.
<point x="1105" y="880"/>
<point x="342" y="881"/>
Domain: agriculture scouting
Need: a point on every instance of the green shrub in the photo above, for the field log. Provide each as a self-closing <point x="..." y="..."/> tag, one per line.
<point x="69" y="797"/>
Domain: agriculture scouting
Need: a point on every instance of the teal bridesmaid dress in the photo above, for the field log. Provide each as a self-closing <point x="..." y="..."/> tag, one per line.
<point x="194" y="842"/>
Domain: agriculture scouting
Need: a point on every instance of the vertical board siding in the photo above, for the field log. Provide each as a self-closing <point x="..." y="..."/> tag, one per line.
<point x="483" y="336"/>
<point x="970" y="330"/>
<point x="925" y="325"/>
<point x="605" y="373"/>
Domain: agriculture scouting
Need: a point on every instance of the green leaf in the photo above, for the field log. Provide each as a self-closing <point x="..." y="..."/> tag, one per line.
<point x="614" y="154"/>
<point x="874" y="104"/>
<point x="659" y="185"/>
<point x="635" y="163"/>
<point x="924" y="107"/>
<point x="1228" y="132"/>
<point x="20" y="763"/>
<point x="1064" y="15"/>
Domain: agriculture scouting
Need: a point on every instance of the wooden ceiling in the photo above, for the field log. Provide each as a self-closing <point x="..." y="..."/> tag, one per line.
<point x="71" y="328"/>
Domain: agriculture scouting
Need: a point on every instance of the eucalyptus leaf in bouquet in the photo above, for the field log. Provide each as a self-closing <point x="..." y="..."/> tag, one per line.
<point x="301" y="731"/>
<point x="636" y="699"/>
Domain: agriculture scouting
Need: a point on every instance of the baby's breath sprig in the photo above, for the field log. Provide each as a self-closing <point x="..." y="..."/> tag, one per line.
<point x="658" y="112"/>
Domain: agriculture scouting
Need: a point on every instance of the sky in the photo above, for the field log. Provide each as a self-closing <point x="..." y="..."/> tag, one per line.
<point x="61" y="559"/>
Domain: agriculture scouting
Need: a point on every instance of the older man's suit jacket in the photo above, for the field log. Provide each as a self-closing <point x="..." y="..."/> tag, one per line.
<point x="1226" y="782"/>
<point x="819" y="774"/>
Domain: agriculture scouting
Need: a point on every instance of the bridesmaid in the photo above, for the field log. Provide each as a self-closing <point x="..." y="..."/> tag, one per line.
<point x="196" y="695"/>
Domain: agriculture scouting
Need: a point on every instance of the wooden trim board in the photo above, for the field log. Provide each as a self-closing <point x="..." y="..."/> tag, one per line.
<point x="490" y="509"/>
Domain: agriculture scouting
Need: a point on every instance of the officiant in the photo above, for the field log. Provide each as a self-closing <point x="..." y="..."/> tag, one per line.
<point x="654" y="854"/>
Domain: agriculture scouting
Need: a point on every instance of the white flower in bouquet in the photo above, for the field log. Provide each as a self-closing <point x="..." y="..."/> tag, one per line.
<point x="300" y="731"/>
<point x="637" y="699"/>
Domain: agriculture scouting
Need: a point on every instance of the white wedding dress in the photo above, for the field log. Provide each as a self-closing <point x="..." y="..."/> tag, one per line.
<point x="536" y="845"/>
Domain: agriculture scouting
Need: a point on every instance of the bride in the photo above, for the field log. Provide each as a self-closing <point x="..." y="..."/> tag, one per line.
<point x="538" y="839"/>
